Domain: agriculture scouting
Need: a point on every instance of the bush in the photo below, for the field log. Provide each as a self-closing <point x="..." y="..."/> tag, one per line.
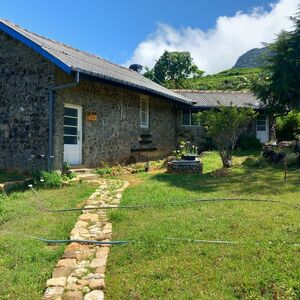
<point x="50" y="179"/>
<point x="248" y="141"/>
<point x="66" y="172"/>
<point x="255" y="162"/>
<point x="104" y="171"/>
<point x="288" y="126"/>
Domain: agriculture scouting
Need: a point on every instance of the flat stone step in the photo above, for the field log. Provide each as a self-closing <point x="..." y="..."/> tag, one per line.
<point x="82" y="170"/>
<point x="86" y="176"/>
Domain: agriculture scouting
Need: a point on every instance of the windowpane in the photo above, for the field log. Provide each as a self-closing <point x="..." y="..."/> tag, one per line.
<point x="261" y="128"/>
<point x="261" y="123"/>
<point x="70" y="140"/>
<point x="186" y="117"/>
<point x="72" y="112"/>
<point x="70" y="130"/>
<point x="70" y="121"/>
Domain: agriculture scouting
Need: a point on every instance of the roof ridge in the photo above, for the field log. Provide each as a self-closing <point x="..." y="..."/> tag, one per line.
<point x="211" y="91"/>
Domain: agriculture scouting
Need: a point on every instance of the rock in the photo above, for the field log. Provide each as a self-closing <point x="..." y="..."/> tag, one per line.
<point x="72" y="287"/>
<point x="70" y="254"/>
<point x="62" y="272"/>
<point x="59" y="281"/>
<point x="89" y="217"/>
<point x="66" y="262"/>
<point x="53" y="293"/>
<point x="91" y="276"/>
<point x="79" y="231"/>
<point x="83" y="282"/>
<point x="75" y="247"/>
<point x="80" y="272"/>
<point x="103" y="251"/>
<point x="73" y="296"/>
<point x="71" y="280"/>
<point x="81" y="224"/>
<point x="100" y="270"/>
<point x="85" y="290"/>
<point x="96" y="284"/>
<point x="94" y="295"/>
<point x="98" y="262"/>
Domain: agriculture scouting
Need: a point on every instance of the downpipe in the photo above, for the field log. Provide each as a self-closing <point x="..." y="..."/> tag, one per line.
<point x="51" y="114"/>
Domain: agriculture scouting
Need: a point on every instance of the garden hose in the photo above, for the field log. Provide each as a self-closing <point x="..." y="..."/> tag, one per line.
<point x="50" y="241"/>
<point x="93" y="242"/>
<point x="174" y="204"/>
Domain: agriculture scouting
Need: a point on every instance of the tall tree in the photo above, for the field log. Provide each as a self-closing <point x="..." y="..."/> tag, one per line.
<point x="173" y="69"/>
<point x="278" y="85"/>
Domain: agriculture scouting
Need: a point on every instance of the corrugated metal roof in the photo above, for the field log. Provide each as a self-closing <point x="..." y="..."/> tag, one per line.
<point x="71" y="59"/>
<point x="208" y="99"/>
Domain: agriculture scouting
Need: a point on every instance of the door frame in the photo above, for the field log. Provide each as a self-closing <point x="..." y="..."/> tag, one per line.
<point x="80" y="120"/>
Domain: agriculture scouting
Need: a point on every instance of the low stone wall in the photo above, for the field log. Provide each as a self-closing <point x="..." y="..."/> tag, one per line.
<point x="185" y="167"/>
<point x="15" y="185"/>
<point x="80" y="273"/>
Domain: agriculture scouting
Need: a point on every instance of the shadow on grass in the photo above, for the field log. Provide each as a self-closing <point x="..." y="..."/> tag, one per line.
<point x="241" y="180"/>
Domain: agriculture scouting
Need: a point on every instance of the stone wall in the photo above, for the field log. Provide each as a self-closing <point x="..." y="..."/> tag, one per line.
<point x="25" y="78"/>
<point x="117" y="130"/>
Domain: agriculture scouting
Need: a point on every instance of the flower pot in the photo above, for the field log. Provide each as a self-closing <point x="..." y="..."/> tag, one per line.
<point x="189" y="156"/>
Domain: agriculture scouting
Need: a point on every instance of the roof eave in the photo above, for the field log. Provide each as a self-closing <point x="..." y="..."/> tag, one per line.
<point x="129" y="84"/>
<point x="28" y="42"/>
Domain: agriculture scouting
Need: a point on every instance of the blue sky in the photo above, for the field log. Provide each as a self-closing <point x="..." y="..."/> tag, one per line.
<point x="115" y="29"/>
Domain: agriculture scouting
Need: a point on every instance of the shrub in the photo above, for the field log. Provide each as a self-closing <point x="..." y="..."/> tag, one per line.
<point x="255" y="162"/>
<point x="66" y="172"/>
<point x="104" y="171"/>
<point x="51" y="179"/>
<point x="288" y="126"/>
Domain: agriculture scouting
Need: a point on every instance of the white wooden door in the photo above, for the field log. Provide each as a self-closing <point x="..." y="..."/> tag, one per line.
<point x="73" y="134"/>
<point x="262" y="128"/>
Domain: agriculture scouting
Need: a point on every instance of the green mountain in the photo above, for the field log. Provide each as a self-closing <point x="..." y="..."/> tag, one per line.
<point x="253" y="58"/>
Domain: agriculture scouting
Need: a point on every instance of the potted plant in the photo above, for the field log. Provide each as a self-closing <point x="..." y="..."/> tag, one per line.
<point x="188" y="151"/>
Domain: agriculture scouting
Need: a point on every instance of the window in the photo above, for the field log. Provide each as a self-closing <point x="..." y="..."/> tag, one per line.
<point x="189" y="118"/>
<point x="261" y="123"/>
<point x="144" y="112"/>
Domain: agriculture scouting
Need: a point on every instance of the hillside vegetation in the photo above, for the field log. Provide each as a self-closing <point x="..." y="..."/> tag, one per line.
<point x="233" y="79"/>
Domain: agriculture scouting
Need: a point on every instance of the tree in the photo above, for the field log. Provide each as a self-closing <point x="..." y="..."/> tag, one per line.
<point x="224" y="126"/>
<point x="173" y="69"/>
<point x="278" y="85"/>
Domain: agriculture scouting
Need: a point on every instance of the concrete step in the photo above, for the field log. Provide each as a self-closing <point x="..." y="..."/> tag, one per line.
<point x="82" y="170"/>
<point x="87" y="176"/>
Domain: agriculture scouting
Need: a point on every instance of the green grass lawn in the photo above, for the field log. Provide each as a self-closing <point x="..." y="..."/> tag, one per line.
<point x="26" y="264"/>
<point x="156" y="268"/>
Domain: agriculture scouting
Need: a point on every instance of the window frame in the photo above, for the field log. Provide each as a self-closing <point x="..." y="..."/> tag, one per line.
<point x="190" y="118"/>
<point x="144" y="100"/>
<point x="260" y="119"/>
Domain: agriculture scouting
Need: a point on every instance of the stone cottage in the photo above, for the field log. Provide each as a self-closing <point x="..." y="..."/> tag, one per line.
<point x="60" y="104"/>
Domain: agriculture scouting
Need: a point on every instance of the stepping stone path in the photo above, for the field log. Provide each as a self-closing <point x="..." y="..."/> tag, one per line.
<point x="79" y="275"/>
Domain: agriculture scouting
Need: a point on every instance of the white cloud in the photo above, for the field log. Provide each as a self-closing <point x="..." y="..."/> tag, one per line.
<point x="218" y="48"/>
